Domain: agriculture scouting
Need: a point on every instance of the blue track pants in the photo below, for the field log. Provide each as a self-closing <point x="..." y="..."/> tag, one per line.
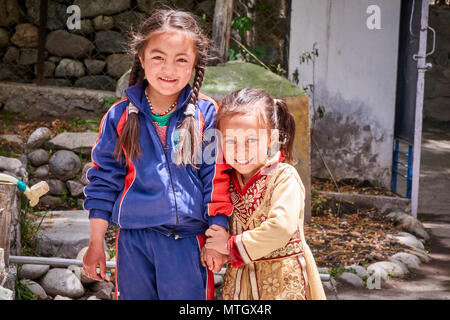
<point x="153" y="266"/>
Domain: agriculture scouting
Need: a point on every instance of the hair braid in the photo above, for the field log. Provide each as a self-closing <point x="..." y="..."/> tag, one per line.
<point x="198" y="80"/>
<point x="137" y="72"/>
<point x="126" y="143"/>
<point x="189" y="144"/>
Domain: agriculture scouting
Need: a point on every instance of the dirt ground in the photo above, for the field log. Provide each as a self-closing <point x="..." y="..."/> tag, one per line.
<point x="432" y="281"/>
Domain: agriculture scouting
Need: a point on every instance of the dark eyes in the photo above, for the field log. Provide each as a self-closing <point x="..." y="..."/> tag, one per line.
<point x="249" y="140"/>
<point x="159" y="58"/>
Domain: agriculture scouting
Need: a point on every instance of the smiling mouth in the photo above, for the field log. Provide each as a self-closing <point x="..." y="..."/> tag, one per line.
<point x="170" y="80"/>
<point x="243" y="162"/>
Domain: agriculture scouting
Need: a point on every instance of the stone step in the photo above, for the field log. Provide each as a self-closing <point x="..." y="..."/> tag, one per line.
<point x="64" y="233"/>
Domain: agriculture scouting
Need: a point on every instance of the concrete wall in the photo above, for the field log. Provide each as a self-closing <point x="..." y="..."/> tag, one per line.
<point x="355" y="81"/>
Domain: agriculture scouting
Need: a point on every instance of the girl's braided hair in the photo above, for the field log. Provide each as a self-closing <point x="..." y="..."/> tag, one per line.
<point x="160" y="20"/>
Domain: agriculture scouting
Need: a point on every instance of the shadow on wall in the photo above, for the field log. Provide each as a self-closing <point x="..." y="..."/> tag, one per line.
<point x="437" y="84"/>
<point x="352" y="143"/>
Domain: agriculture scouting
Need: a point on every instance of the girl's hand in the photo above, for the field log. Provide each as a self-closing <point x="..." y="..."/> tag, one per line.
<point x="94" y="257"/>
<point x="217" y="239"/>
<point x="212" y="259"/>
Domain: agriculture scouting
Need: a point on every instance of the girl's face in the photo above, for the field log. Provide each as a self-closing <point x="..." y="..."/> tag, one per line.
<point x="169" y="60"/>
<point x="245" y="142"/>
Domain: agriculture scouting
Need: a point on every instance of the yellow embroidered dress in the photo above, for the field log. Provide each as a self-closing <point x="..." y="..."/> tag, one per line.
<point x="269" y="256"/>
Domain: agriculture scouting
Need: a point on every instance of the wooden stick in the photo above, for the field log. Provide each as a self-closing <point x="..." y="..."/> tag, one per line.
<point x="41" y="47"/>
<point x="7" y="194"/>
<point x="255" y="57"/>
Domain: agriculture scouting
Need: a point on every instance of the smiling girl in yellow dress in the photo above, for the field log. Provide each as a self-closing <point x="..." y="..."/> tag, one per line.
<point x="266" y="245"/>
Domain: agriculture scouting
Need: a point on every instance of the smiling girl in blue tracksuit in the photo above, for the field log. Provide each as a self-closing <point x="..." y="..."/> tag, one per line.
<point x="147" y="179"/>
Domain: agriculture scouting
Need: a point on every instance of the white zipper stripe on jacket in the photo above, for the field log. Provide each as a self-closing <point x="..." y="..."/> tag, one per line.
<point x="123" y="198"/>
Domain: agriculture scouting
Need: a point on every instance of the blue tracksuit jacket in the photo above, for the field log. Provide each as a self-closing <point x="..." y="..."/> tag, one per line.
<point x="152" y="191"/>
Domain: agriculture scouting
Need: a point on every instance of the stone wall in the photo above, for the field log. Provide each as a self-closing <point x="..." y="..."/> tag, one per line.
<point x="61" y="161"/>
<point x="93" y="56"/>
<point x="49" y="102"/>
<point x="437" y="85"/>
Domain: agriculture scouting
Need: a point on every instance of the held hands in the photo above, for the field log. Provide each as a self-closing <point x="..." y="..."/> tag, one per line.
<point x="215" y="253"/>
<point x="217" y="239"/>
<point x="213" y="259"/>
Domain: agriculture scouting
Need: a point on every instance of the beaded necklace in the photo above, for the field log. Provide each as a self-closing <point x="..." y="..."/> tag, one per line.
<point x="157" y="113"/>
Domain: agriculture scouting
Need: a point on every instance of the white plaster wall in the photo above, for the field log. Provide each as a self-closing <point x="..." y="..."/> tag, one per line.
<point x="355" y="80"/>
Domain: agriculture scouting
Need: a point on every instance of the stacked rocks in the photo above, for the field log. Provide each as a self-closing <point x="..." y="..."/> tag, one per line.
<point x="61" y="161"/>
<point x="89" y="54"/>
<point x="65" y="283"/>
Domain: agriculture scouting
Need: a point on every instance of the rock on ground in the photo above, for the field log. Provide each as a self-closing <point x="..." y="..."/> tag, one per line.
<point x="410" y="223"/>
<point x="6" y="294"/>
<point x="38" y="137"/>
<point x="83" y="177"/>
<point x="409" y="240"/>
<point x="59" y="281"/>
<point x="33" y="271"/>
<point x="351" y="278"/>
<point x="64" y="164"/>
<point x="64" y="233"/>
<point x="38" y="157"/>
<point x="58" y="297"/>
<point x="10" y="164"/>
<point x="420" y="254"/>
<point x="388" y="268"/>
<point x="35" y="287"/>
<point x="74" y="141"/>
<point x="75" y="188"/>
<point x="410" y="260"/>
<point x="360" y="271"/>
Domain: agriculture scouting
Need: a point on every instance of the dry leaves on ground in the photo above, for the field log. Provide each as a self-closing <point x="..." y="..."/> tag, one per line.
<point x="357" y="238"/>
<point x="351" y="186"/>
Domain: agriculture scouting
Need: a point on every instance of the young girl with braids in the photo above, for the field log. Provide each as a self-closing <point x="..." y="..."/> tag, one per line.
<point x="147" y="178"/>
<point x="267" y="250"/>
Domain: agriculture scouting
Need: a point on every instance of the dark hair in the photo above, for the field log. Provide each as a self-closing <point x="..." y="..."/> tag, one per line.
<point x="272" y="112"/>
<point x="189" y="135"/>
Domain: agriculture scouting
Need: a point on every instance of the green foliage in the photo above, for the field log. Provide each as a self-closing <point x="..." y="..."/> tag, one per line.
<point x="22" y="290"/>
<point x="108" y="102"/>
<point x="321" y="111"/>
<point x="79" y="122"/>
<point x="204" y="21"/>
<point x="317" y="203"/>
<point x="67" y="199"/>
<point x="30" y="224"/>
<point x="278" y="69"/>
<point x="242" y="24"/>
<point x="308" y="56"/>
<point x="239" y="53"/>
<point x="234" y="54"/>
<point x="340" y="270"/>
